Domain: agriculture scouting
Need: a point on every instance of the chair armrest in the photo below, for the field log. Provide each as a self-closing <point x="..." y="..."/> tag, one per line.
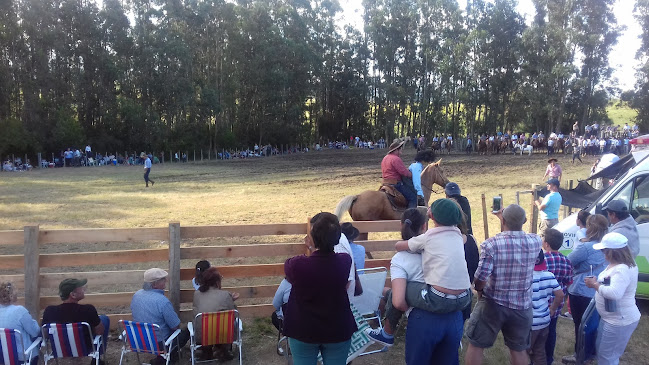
<point x="33" y="346"/>
<point x="190" y="327"/>
<point x="172" y="337"/>
<point x="98" y="340"/>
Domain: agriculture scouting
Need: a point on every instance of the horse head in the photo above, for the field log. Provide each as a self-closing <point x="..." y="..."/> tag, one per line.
<point x="432" y="174"/>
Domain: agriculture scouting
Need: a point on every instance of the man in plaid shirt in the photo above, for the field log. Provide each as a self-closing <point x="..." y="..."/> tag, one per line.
<point x="504" y="285"/>
<point x="561" y="267"/>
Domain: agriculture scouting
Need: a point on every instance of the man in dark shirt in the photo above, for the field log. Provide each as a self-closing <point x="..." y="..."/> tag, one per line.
<point x="453" y="192"/>
<point x="71" y="292"/>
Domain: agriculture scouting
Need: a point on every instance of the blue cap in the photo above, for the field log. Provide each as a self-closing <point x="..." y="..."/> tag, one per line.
<point x="452" y="189"/>
<point x="554" y="181"/>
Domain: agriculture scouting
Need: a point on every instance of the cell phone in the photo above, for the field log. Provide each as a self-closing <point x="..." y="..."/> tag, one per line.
<point x="497" y="204"/>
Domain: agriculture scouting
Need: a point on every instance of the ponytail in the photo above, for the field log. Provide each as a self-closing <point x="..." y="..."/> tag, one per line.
<point x="411" y="223"/>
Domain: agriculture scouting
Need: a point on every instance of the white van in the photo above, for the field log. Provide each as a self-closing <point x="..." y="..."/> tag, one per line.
<point x="632" y="187"/>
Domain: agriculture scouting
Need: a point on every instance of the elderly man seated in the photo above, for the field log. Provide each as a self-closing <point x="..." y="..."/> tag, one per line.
<point x="150" y="305"/>
<point x="71" y="292"/>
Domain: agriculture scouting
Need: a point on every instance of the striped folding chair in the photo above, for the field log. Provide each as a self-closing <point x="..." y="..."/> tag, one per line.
<point x="63" y="340"/>
<point x="11" y="345"/>
<point x="141" y="338"/>
<point x="216" y="328"/>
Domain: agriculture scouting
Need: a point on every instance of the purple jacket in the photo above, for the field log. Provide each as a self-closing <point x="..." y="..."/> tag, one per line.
<point x="318" y="309"/>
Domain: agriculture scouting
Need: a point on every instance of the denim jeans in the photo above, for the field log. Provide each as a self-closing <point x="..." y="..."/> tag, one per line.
<point x="419" y="295"/>
<point x="433" y="338"/>
<point x="409" y="193"/>
<point x="307" y="353"/>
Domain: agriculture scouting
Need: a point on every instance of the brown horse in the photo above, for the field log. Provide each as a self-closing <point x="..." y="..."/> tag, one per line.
<point x="373" y="205"/>
<point x="482" y="147"/>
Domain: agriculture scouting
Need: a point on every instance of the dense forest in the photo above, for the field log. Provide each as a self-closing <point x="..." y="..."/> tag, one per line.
<point x="176" y="74"/>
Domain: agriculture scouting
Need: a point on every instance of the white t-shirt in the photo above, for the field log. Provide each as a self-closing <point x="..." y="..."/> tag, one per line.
<point x="406" y="265"/>
<point x="624" y="281"/>
<point x="442" y="257"/>
<point x="344" y="247"/>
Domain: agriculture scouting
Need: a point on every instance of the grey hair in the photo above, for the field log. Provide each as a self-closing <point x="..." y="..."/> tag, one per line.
<point x="147" y="286"/>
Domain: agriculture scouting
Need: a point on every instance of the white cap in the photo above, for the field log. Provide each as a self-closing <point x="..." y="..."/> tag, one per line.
<point x="154" y="274"/>
<point x="611" y="240"/>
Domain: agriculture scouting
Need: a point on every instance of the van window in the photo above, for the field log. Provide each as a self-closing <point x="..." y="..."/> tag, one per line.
<point x="640" y="203"/>
<point x="624" y="194"/>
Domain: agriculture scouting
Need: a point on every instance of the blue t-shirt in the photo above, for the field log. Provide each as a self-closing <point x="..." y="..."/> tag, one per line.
<point x="416" y="168"/>
<point x="358" y="252"/>
<point x="552" y="203"/>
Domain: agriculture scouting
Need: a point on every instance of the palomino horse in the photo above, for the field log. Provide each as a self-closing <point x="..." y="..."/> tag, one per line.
<point x="373" y="205"/>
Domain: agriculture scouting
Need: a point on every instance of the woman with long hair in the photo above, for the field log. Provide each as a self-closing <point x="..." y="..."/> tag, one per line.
<point x="586" y="261"/>
<point x="615" y="289"/>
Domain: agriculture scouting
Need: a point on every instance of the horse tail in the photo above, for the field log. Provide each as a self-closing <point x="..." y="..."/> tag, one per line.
<point x="344" y="205"/>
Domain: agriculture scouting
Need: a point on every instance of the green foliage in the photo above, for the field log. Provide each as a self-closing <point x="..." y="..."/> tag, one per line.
<point x="200" y="74"/>
<point x="621" y="112"/>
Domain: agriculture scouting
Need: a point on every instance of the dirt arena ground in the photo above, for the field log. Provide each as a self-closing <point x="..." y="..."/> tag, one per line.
<point x="280" y="189"/>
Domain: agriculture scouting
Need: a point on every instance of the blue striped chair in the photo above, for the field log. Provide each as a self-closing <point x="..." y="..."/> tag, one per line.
<point x="11" y="345"/>
<point x="141" y="338"/>
<point x="64" y="340"/>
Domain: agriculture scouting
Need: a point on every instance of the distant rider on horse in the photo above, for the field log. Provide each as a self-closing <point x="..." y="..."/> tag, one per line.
<point x="394" y="172"/>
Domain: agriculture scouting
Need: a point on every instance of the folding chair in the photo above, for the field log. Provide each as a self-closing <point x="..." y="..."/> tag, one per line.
<point x="367" y="304"/>
<point x="11" y="342"/>
<point x="63" y="340"/>
<point x="216" y="328"/>
<point x="141" y="338"/>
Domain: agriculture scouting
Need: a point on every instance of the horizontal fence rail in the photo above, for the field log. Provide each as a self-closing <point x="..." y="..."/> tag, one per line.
<point x="33" y="281"/>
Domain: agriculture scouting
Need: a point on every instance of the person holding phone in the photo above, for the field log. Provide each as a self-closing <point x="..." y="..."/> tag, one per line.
<point x="615" y="289"/>
<point x="586" y="261"/>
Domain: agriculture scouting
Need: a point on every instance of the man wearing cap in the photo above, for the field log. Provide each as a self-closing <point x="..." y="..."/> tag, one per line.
<point x="549" y="206"/>
<point x="72" y="291"/>
<point x="453" y="192"/>
<point x="624" y="224"/>
<point x="393" y="171"/>
<point x="147" y="169"/>
<point x="150" y="305"/>
<point x="435" y="328"/>
<point x="503" y="281"/>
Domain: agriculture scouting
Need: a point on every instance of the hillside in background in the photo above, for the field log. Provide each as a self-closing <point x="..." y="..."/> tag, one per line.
<point x="620" y="112"/>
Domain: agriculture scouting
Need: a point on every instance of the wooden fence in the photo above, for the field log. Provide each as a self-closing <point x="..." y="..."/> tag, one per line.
<point x="35" y="242"/>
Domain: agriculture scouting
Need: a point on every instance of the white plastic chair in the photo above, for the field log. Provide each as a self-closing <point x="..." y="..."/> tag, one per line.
<point x="373" y="282"/>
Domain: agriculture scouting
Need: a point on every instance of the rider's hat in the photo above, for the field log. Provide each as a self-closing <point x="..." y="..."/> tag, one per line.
<point x="396" y="145"/>
<point x="552" y="159"/>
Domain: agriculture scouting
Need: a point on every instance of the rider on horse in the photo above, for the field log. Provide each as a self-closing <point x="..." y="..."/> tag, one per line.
<point x="394" y="171"/>
<point x="422" y="159"/>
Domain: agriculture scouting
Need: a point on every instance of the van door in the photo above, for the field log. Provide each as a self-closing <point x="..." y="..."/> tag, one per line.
<point x="636" y="192"/>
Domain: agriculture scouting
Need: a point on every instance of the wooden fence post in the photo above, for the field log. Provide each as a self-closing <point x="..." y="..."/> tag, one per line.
<point x="535" y="211"/>
<point x="174" y="265"/>
<point x="485" y="221"/>
<point x="32" y="272"/>
<point x="518" y="198"/>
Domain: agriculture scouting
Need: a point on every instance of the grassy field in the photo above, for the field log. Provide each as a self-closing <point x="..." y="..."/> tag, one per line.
<point x="283" y="189"/>
<point x="621" y="113"/>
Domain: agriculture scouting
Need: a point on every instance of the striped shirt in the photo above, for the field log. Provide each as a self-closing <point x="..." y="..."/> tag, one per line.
<point x="543" y="285"/>
<point x="506" y="264"/>
<point x="560" y="266"/>
<point x="151" y="306"/>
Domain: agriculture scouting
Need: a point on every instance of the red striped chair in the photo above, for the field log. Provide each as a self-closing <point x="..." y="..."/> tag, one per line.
<point x="216" y="328"/>
<point x="11" y="346"/>
<point x="63" y="340"/>
<point x="141" y="338"/>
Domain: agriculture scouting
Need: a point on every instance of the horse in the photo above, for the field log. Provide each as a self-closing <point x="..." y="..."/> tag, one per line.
<point x="373" y="205"/>
<point x="504" y="144"/>
<point x="482" y="147"/>
<point x="529" y="149"/>
<point x="447" y="145"/>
